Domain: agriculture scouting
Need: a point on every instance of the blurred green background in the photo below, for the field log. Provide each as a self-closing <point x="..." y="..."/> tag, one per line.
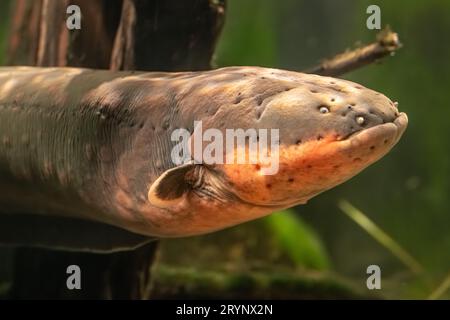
<point x="405" y="194"/>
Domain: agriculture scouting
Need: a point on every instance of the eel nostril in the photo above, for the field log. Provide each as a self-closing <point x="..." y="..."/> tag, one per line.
<point x="360" y="120"/>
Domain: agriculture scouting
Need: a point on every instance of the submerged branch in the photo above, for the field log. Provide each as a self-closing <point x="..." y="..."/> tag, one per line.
<point x="387" y="43"/>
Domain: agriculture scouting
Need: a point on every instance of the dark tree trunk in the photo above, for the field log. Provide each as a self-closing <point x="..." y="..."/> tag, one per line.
<point x="122" y="35"/>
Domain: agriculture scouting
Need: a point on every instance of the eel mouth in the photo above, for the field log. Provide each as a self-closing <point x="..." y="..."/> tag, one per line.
<point x="328" y="163"/>
<point x="390" y="130"/>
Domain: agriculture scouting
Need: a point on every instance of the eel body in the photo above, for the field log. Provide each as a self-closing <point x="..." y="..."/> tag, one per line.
<point x="86" y="155"/>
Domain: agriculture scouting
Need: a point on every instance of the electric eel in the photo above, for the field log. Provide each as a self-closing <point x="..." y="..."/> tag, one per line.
<point x="86" y="155"/>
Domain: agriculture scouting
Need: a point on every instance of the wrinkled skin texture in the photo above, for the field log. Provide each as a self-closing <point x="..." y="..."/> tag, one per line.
<point x="96" y="145"/>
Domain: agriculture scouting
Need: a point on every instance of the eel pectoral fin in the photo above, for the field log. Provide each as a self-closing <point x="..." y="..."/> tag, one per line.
<point x="182" y="187"/>
<point x="172" y="186"/>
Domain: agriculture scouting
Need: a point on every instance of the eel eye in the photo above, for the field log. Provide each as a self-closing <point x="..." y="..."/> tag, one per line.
<point x="324" y="109"/>
<point x="360" y="120"/>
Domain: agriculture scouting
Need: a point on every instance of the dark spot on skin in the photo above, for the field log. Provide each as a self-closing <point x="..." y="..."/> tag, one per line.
<point x="313" y="91"/>
<point x="332" y="82"/>
<point x="336" y="166"/>
<point x="357" y="160"/>
<point x="333" y="99"/>
<point x="287" y="89"/>
<point x="263" y="78"/>
<point x="372" y="147"/>
<point x="299" y="141"/>
<point x="141" y="125"/>
<point x="386" y="141"/>
<point x="268" y="186"/>
<point x="309" y="166"/>
<point x="353" y="104"/>
<point x="319" y="137"/>
<point x="258" y="167"/>
<point x="291" y="179"/>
